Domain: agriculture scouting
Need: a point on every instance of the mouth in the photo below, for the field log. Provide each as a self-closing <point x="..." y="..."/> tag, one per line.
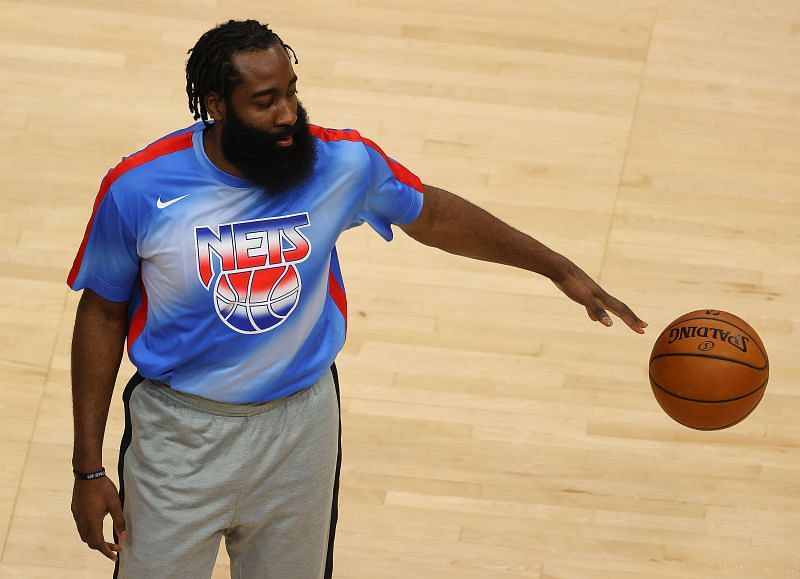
<point x="285" y="142"/>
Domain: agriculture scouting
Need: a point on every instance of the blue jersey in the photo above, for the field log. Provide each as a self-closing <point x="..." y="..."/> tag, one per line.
<point x="233" y="294"/>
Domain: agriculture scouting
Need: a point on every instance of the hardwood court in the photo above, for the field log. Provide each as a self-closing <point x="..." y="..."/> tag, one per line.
<point x="490" y="429"/>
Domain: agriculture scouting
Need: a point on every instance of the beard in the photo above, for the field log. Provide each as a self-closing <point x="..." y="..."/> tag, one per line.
<point x="261" y="160"/>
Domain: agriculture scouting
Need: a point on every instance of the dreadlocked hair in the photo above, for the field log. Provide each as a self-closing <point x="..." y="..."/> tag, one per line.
<point x="210" y="66"/>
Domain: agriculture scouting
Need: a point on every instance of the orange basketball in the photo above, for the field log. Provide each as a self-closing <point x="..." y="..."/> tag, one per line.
<point x="708" y="370"/>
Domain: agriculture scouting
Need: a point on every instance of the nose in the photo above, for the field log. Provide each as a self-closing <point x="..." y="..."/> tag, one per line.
<point x="287" y="114"/>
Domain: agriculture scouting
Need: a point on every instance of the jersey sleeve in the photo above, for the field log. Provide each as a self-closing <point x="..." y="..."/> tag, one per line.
<point x="394" y="195"/>
<point x="107" y="261"/>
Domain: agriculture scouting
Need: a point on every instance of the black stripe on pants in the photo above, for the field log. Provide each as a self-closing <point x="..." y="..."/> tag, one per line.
<point x="335" y="502"/>
<point x="135" y="380"/>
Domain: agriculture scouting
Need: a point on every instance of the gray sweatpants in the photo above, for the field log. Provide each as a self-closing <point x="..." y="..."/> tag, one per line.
<point x="261" y="475"/>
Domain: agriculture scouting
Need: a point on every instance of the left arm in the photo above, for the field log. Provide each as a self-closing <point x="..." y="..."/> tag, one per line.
<point x="455" y="225"/>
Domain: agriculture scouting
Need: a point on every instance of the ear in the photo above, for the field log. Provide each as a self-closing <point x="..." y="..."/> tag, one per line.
<point x="215" y="105"/>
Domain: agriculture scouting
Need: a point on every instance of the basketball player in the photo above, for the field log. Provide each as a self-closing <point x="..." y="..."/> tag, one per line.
<point x="212" y="252"/>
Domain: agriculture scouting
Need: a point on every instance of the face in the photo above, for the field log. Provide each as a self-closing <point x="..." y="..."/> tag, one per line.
<point x="263" y="126"/>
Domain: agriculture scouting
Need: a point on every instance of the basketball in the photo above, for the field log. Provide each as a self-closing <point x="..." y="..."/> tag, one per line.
<point x="257" y="300"/>
<point x="708" y="370"/>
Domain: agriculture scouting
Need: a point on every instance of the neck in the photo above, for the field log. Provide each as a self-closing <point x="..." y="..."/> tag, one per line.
<point x="212" y="143"/>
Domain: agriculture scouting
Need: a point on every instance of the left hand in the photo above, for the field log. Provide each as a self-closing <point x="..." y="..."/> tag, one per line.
<point x="582" y="289"/>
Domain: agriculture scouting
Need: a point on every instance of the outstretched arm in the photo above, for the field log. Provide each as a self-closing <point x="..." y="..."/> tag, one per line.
<point x="457" y="226"/>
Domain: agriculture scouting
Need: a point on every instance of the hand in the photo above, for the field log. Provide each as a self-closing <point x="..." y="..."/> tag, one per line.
<point x="582" y="289"/>
<point x="92" y="500"/>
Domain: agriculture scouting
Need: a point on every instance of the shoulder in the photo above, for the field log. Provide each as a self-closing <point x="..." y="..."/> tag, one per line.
<point x="374" y="154"/>
<point x="328" y="135"/>
<point x="137" y="165"/>
<point x="133" y="183"/>
<point x="346" y="137"/>
<point x="348" y="140"/>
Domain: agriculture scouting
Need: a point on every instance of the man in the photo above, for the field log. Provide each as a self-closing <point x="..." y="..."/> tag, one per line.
<point x="212" y="251"/>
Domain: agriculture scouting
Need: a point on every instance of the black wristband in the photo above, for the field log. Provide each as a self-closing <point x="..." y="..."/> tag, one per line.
<point x="89" y="475"/>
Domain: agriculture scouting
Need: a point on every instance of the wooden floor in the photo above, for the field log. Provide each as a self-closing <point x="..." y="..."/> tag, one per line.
<point x="490" y="429"/>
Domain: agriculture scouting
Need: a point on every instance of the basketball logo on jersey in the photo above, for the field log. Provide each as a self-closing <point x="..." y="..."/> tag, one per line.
<point x="257" y="286"/>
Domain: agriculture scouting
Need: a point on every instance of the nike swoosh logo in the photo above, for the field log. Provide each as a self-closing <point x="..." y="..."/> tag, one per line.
<point x="162" y="204"/>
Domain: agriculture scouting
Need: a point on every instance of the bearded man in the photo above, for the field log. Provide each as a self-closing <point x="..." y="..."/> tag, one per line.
<point x="213" y="253"/>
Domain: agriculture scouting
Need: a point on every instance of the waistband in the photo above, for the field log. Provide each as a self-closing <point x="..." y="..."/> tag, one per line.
<point x="228" y="408"/>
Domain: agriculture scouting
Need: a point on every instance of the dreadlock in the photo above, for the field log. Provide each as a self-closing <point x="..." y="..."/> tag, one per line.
<point x="210" y="66"/>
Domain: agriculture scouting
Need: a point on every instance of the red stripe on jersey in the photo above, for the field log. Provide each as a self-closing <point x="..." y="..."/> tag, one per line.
<point x="338" y="295"/>
<point x="160" y="148"/>
<point x="401" y="173"/>
<point x="139" y="318"/>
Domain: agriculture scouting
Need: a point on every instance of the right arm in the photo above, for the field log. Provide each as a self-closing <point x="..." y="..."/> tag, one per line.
<point x="97" y="345"/>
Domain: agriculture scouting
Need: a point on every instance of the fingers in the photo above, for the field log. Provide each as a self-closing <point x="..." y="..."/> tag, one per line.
<point x="580" y="288"/>
<point x="91" y="501"/>
<point x="625" y="313"/>
<point x="633" y="321"/>
<point x="98" y="543"/>
<point x="598" y="314"/>
<point x="603" y="317"/>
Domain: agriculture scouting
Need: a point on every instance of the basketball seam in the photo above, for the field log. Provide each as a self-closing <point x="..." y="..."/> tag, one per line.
<point x="237" y="298"/>
<point x="248" y="305"/>
<point x="655" y="383"/>
<point x="265" y="301"/>
<point x="233" y="304"/>
<point x="295" y="291"/>
<point x="227" y="302"/>
<point x="291" y="294"/>
<point x="692" y="355"/>
<point x="271" y="294"/>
